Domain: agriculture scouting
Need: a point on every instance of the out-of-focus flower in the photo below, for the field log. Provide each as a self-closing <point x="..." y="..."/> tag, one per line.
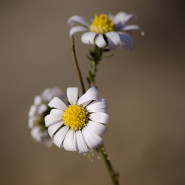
<point x="41" y="135"/>
<point x="106" y="31"/>
<point x="79" y="125"/>
<point x="38" y="111"/>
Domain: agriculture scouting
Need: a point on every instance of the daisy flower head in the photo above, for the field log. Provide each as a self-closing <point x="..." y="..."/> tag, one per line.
<point x="105" y="31"/>
<point x="78" y="125"/>
<point x="38" y="111"/>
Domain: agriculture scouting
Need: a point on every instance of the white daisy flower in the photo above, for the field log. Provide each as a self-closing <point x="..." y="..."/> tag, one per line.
<point x="105" y="31"/>
<point x="79" y="125"/>
<point x="38" y="111"/>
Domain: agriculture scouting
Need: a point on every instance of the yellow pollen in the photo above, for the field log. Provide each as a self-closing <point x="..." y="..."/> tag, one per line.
<point x="75" y="117"/>
<point x="102" y="24"/>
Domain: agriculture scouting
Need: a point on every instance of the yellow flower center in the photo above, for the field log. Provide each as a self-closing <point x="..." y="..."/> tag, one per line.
<point x="102" y="24"/>
<point x="75" y="117"/>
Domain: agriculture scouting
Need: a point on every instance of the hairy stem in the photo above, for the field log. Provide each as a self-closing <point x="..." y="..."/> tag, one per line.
<point x="95" y="58"/>
<point x="113" y="174"/>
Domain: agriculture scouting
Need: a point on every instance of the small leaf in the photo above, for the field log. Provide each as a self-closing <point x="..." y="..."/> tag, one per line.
<point x="88" y="57"/>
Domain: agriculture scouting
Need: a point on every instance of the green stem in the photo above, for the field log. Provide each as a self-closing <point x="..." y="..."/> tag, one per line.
<point x="95" y="58"/>
<point x="113" y="174"/>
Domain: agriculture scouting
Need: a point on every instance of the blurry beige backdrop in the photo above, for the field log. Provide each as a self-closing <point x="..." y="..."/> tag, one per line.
<point x="145" y="89"/>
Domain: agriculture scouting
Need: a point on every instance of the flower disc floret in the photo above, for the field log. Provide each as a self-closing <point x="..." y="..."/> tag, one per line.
<point x="102" y="24"/>
<point x="75" y="117"/>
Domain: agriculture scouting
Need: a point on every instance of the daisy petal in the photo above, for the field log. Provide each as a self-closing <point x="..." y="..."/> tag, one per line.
<point x="45" y="93"/>
<point x="129" y="16"/>
<point x="35" y="133"/>
<point x="52" y="119"/>
<point x="91" y="94"/>
<point x="126" y="40"/>
<point x="100" y="41"/>
<point x="32" y="111"/>
<point x="101" y="110"/>
<point x="55" y="91"/>
<point x="69" y="141"/>
<point x="75" y="142"/>
<point x="132" y="27"/>
<point x="77" y="19"/>
<point x="99" y="104"/>
<point x="52" y="129"/>
<point x="82" y="146"/>
<point x="57" y="113"/>
<point x="72" y="95"/>
<point x="119" y="17"/>
<point x="77" y="29"/>
<point x="57" y="103"/>
<point x="31" y="122"/>
<point x="99" y="117"/>
<point x="96" y="128"/>
<point x="122" y="17"/>
<point x="92" y="140"/>
<point x="59" y="136"/>
<point x="88" y="37"/>
<point x="37" y="100"/>
<point x="42" y="108"/>
<point x="113" y="39"/>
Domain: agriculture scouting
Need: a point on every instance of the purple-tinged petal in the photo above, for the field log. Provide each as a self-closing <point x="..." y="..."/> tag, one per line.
<point x="122" y="17"/>
<point x="77" y="19"/>
<point x="113" y="39"/>
<point x="132" y="27"/>
<point x="126" y="40"/>
<point x="77" y="29"/>
<point x="100" y="41"/>
<point x="88" y="37"/>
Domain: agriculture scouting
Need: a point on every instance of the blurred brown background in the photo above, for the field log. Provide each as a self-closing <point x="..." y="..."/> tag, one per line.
<point x="145" y="89"/>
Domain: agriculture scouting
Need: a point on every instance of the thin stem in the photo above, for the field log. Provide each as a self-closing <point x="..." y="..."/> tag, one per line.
<point x="77" y="66"/>
<point x="95" y="58"/>
<point x="113" y="174"/>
